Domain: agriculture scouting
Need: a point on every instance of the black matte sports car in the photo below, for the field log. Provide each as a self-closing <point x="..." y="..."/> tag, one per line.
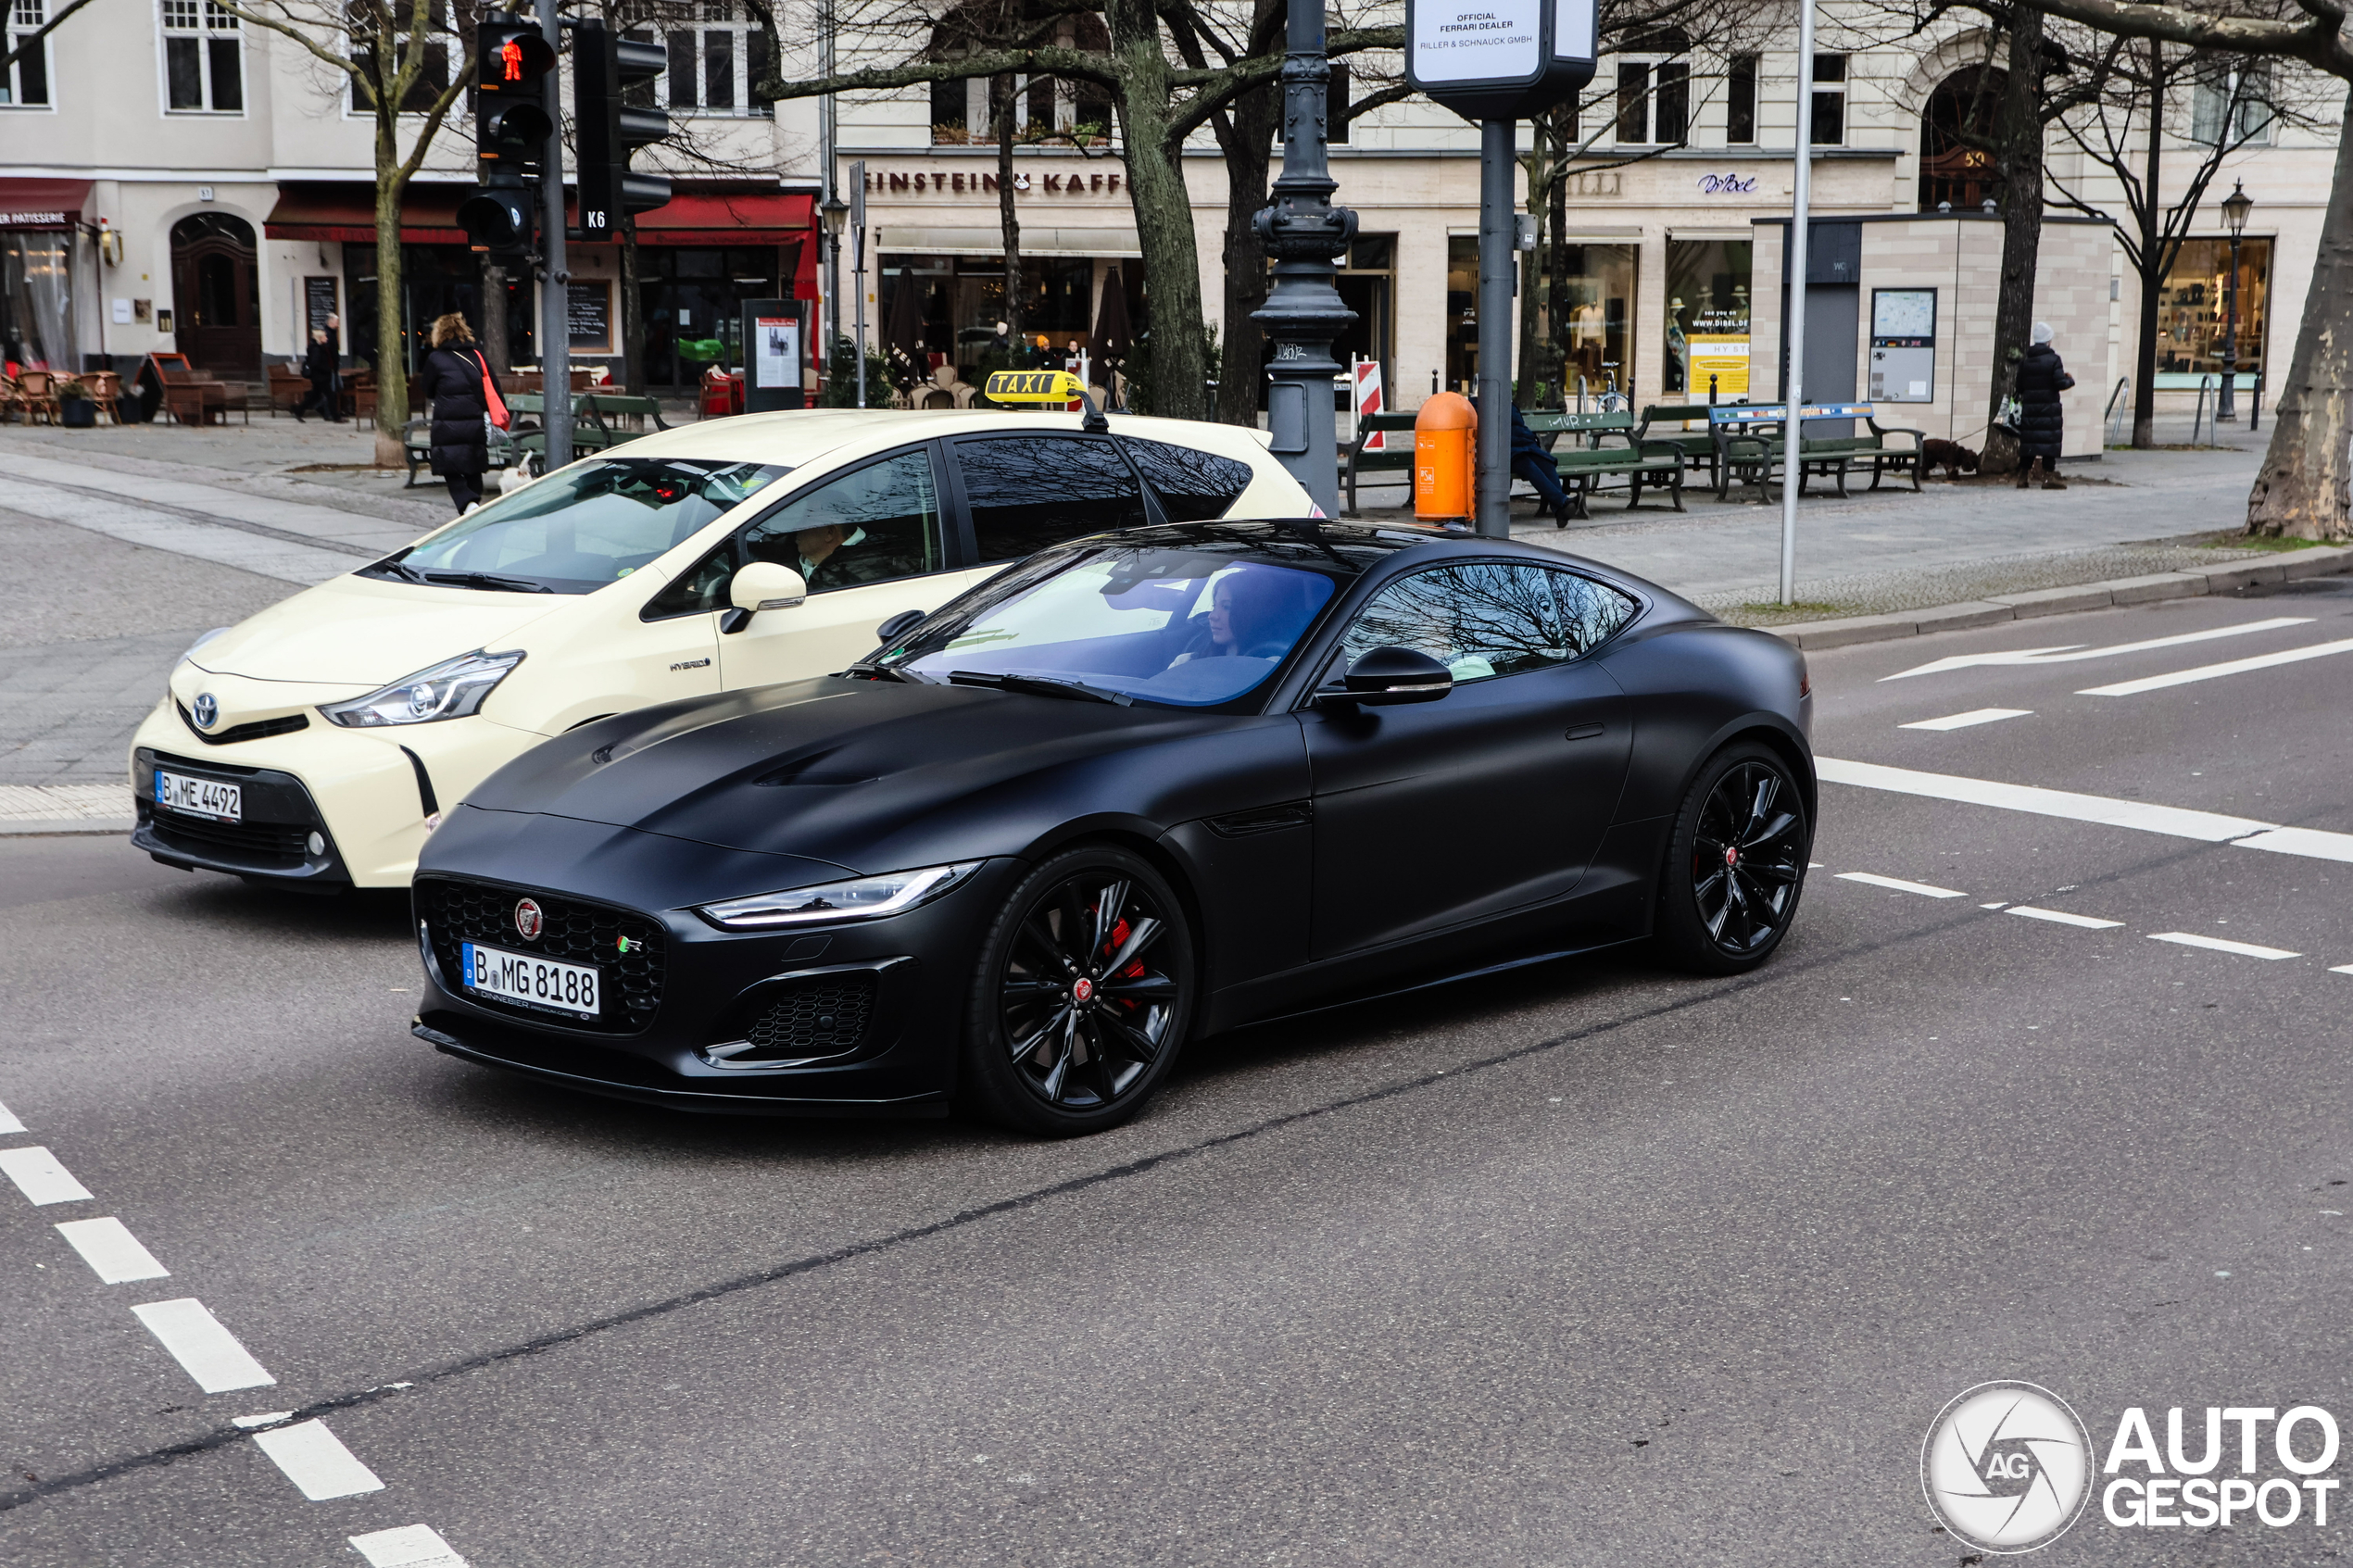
<point x="1136" y="788"/>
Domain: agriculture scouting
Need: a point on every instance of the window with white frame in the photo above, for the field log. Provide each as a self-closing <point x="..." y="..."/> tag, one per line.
<point x="26" y="84"/>
<point x="1830" y="100"/>
<point x="1655" y="94"/>
<point x="718" y="54"/>
<point x="2232" y="106"/>
<point x="203" y="58"/>
<point x="433" y="73"/>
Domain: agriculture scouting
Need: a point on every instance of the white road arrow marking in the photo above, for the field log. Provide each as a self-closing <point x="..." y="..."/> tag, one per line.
<point x="2068" y="653"/>
<point x="2215" y="671"/>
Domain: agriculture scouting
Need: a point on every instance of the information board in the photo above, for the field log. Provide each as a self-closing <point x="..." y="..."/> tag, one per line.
<point x="318" y="303"/>
<point x="588" y="314"/>
<point x="1500" y="59"/>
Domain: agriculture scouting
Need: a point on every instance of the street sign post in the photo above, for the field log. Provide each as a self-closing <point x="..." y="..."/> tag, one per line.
<point x="1494" y="61"/>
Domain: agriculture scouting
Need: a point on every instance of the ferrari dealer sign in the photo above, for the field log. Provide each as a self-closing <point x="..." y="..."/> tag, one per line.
<point x="1477" y="40"/>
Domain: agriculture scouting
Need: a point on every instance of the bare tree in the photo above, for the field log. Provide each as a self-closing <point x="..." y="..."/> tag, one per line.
<point x="2125" y="136"/>
<point x="2305" y="489"/>
<point x="32" y="42"/>
<point x="401" y="62"/>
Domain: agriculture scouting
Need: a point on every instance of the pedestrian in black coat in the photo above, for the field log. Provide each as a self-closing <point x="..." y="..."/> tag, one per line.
<point x="321" y="364"/>
<point x="452" y="384"/>
<point x="2042" y="422"/>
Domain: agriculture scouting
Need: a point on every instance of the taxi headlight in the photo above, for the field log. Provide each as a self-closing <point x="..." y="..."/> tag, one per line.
<point x="864" y="898"/>
<point x="451" y="689"/>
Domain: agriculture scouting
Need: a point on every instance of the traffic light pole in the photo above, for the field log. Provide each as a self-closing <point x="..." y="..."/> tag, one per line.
<point x="555" y="292"/>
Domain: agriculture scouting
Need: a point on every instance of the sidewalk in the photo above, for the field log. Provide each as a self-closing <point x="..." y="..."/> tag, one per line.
<point x="2127" y="515"/>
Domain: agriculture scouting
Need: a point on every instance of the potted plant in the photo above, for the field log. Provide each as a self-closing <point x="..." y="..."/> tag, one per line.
<point x="76" y="409"/>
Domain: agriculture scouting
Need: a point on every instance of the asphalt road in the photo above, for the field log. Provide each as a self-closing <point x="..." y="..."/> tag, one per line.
<point x="1593" y="1265"/>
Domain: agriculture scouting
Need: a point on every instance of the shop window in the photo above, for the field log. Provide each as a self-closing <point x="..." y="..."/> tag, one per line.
<point x="1706" y="356"/>
<point x="1594" y="306"/>
<point x="2232" y="107"/>
<point x="36" y="314"/>
<point x="2193" y="306"/>
<point x="26" y="84"/>
<point x="1739" y="101"/>
<point x="203" y="58"/>
<point x="715" y="66"/>
<point x="1830" y="100"/>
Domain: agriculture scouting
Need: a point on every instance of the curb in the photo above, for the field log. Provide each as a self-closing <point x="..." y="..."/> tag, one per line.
<point x="68" y="827"/>
<point x="2321" y="561"/>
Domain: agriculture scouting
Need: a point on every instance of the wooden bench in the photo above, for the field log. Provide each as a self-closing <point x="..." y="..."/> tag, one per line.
<point x="1750" y="447"/>
<point x="1586" y="459"/>
<point x="1395" y="454"/>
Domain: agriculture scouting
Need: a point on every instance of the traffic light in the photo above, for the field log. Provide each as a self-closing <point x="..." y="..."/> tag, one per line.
<point x="609" y="129"/>
<point x="511" y="128"/>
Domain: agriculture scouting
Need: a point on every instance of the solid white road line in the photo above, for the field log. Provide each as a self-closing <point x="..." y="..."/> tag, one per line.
<point x="8" y="1123"/>
<point x="2060" y="917"/>
<point x="2341" y="968"/>
<point x="411" y="1546"/>
<point x="1963" y="721"/>
<point x="1922" y="888"/>
<point x="267" y="1418"/>
<point x="40" y="1177"/>
<point x="2207" y="825"/>
<point x="2068" y="653"/>
<point x="2215" y="944"/>
<point x="197" y="1341"/>
<point x="315" y="1459"/>
<point x="2215" y="671"/>
<point x="108" y="1246"/>
<point x="2312" y="842"/>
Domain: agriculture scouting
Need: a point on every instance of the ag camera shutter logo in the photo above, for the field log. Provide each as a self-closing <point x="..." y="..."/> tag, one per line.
<point x="2006" y="1467"/>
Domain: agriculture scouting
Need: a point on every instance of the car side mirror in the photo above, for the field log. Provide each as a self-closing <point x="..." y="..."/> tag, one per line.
<point x="898" y="625"/>
<point x="762" y="585"/>
<point x="1384" y="677"/>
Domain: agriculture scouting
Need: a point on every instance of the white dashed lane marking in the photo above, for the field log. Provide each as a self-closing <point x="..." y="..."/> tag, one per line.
<point x="1963" y="721"/>
<point x="112" y="1250"/>
<point x="1900" y="885"/>
<point x="2216" y="943"/>
<point x="198" y="1342"/>
<point x="40" y="1177"/>
<point x="2341" y="968"/>
<point x="8" y="1123"/>
<point x="2060" y="917"/>
<point x="2216" y="672"/>
<point x="315" y="1459"/>
<point x="411" y="1546"/>
<point x="2069" y="652"/>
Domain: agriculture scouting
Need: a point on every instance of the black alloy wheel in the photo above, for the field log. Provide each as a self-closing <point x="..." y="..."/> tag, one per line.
<point x="1083" y="994"/>
<point x="1736" y="864"/>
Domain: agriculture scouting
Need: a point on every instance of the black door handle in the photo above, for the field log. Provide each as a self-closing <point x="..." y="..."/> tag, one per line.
<point x="1583" y="731"/>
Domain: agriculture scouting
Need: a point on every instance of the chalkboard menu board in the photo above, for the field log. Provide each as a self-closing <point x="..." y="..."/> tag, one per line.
<point x="318" y="303"/>
<point x="590" y="313"/>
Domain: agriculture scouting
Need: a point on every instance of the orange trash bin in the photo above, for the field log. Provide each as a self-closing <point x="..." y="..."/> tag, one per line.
<point x="1446" y="447"/>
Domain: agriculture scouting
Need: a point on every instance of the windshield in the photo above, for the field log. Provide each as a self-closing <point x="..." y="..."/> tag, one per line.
<point x="1185" y="627"/>
<point x="581" y="527"/>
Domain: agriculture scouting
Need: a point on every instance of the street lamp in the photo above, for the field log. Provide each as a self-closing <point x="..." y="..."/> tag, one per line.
<point x="2235" y="207"/>
<point x="836" y="213"/>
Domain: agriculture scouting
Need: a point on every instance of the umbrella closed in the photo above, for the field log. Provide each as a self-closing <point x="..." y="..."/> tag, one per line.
<point x="1113" y="336"/>
<point x="904" y="336"/>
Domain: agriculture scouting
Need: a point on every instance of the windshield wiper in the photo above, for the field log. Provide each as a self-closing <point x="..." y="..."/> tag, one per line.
<point x="1037" y="685"/>
<point x="392" y="566"/>
<point x="889" y="672"/>
<point x="484" y="580"/>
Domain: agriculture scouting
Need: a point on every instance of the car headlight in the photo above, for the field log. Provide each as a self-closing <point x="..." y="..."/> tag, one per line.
<point x="451" y="689"/>
<point x="864" y="898"/>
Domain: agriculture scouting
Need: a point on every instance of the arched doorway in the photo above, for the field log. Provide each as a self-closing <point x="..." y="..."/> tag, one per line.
<point x="1951" y="171"/>
<point x="216" y="295"/>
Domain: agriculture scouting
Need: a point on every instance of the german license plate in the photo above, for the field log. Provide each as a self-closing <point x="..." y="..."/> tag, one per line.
<point x="200" y="797"/>
<point x="530" y="981"/>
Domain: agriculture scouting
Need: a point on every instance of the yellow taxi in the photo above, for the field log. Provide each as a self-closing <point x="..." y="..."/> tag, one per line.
<point x="315" y="745"/>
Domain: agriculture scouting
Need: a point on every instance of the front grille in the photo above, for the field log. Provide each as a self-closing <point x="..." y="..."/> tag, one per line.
<point x="286" y="725"/>
<point x="274" y="845"/>
<point x="574" y="931"/>
<point x="823" y="1015"/>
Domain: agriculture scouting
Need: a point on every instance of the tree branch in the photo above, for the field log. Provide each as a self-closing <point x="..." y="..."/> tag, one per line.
<point x="33" y="45"/>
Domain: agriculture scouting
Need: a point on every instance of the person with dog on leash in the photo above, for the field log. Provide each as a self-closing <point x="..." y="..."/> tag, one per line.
<point x="2041" y="423"/>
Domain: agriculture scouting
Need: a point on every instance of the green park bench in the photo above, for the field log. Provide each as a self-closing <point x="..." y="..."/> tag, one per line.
<point x="1749" y="448"/>
<point x="599" y="419"/>
<point x="1587" y="459"/>
<point x="1669" y="423"/>
<point x="1393" y="455"/>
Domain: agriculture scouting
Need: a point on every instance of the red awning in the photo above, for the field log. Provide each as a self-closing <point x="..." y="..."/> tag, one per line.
<point x="728" y="218"/>
<point x="346" y="210"/>
<point x="43" y="203"/>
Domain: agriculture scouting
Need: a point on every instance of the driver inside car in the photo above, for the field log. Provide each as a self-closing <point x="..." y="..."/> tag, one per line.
<point x="1251" y="614"/>
<point x="821" y="563"/>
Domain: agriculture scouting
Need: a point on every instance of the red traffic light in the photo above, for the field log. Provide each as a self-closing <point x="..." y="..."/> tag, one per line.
<point x="514" y="57"/>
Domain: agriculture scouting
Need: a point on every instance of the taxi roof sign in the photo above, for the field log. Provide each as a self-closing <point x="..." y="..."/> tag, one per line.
<point x="1033" y="387"/>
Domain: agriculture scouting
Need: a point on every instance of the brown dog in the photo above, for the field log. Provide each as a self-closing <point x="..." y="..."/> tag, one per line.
<point x="1951" y="455"/>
